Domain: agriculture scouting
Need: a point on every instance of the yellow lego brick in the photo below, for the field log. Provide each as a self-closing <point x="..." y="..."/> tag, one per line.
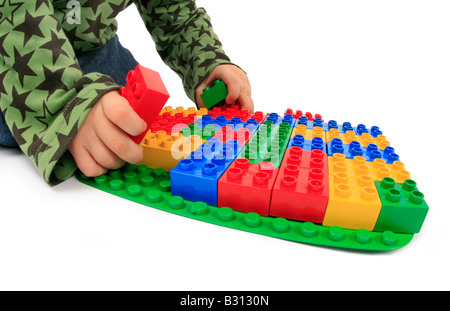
<point x="379" y="169"/>
<point x="364" y="139"/>
<point x="309" y="134"/>
<point x="353" y="199"/>
<point x="185" y="112"/>
<point x="380" y="140"/>
<point x="165" y="151"/>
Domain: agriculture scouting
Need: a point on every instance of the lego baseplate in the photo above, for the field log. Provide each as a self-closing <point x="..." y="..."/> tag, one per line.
<point x="152" y="187"/>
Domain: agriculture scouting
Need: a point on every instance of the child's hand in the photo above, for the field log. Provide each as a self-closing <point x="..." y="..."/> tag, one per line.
<point x="239" y="89"/>
<point x="102" y="142"/>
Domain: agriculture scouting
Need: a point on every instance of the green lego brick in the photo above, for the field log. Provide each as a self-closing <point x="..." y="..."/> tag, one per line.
<point x="215" y="94"/>
<point x="151" y="187"/>
<point x="403" y="206"/>
<point x="268" y="144"/>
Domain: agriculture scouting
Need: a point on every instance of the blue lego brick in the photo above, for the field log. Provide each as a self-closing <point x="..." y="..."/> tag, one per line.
<point x="370" y="153"/>
<point x="235" y="123"/>
<point x="195" y="178"/>
<point x="311" y="124"/>
<point x="277" y="120"/>
<point x="308" y="145"/>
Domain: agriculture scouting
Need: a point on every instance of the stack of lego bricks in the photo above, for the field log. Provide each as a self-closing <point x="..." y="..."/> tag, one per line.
<point x="294" y="166"/>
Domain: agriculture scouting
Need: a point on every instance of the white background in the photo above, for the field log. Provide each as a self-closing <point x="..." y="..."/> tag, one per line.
<point x="384" y="63"/>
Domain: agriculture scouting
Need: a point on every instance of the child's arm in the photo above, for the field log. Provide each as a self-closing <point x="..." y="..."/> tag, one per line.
<point x="187" y="43"/>
<point x="44" y="95"/>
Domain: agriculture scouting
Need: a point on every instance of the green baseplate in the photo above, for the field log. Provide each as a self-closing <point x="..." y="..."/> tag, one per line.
<point x="151" y="187"/>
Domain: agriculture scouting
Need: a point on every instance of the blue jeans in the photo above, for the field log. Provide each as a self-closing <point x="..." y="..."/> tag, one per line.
<point x="119" y="62"/>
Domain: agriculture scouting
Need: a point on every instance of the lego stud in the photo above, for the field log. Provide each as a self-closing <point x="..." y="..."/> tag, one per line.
<point x="409" y="185"/>
<point x="393" y="195"/>
<point x="291" y="170"/>
<point x="368" y="194"/>
<point x="294" y="159"/>
<point x="364" y="181"/>
<point x="296" y="151"/>
<point x="315" y="185"/>
<point x="280" y="225"/>
<point x="288" y="181"/>
<point x="382" y="172"/>
<point x="261" y="178"/>
<point x="186" y="165"/>
<point x="225" y="214"/>
<point x="338" y="157"/>
<point x="154" y="196"/>
<point x="252" y="220"/>
<point x="388" y="238"/>
<point x="308" y="230"/>
<point x="134" y="190"/>
<point x="316" y="173"/>
<point x="339" y="167"/>
<point x="209" y="169"/>
<point x="388" y="183"/>
<point x="416" y="197"/>
<point x="363" y="236"/>
<point x="266" y="167"/>
<point x="242" y="163"/>
<point x="362" y="170"/>
<point x="199" y="208"/>
<point x="117" y="184"/>
<point x="235" y="173"/>
<point x="342" y="190"/>
<point x="317" y="162"/>
<point x="341" y="178"/>
<point x="336" y="233"/>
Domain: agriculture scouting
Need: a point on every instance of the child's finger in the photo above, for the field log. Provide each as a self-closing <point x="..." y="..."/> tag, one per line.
<point x="120" y="143"/>
<point x="86" y="162"/>
<point x="102" y="154"/>
<point x="246" y="101"/>
<point x="119" y="112"/>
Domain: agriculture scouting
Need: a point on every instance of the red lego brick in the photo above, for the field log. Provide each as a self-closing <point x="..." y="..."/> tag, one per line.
<point x="247" y="187"/>
<point x="299" y="113"/>
<point x="242" y="135"/>
<point x="301" y="190"/>
<point x="147" y="94"/>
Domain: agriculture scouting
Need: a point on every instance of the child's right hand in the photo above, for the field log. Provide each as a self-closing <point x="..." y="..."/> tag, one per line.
<point x="103" y="142"/>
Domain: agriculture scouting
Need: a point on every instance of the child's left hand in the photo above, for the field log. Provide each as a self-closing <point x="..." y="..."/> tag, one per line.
<point x="239" y="89"/>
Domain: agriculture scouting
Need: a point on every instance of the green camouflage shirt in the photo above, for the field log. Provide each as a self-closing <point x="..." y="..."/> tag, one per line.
<point x="45" y="96"/>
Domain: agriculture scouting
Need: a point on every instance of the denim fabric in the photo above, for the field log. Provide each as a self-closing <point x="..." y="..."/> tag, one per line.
<point x="119" y="62"/>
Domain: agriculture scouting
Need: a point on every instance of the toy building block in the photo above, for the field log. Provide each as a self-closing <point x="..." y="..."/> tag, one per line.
<point x="235" y="123"/>
<point x="309" y="134"/>
<point x="186" y="112"/>
<point x="247" y="187"/>
<point x="403" y="206"/>
<point x="371" y="152"/>
<point x="215" y="94"/>
<point x="301" y="189"/>
<point x="380" y="169"/>
<point x="146" y="93"/>
<point x="152" y="187"/>
<point x="354" y="202"/>
<point x="231" y="111"/>
<point x="298" y="113"/>
<point x="268" y="144"/>
<point x="308" y="145"/>
<point x="195" y="178"/>
<point x="275" y="119"/>
<point x="165" y="151"/>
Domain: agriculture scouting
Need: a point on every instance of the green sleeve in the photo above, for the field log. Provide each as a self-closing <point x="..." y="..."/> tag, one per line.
<point x="184" y="39"/>
<point x="44" y="95"/>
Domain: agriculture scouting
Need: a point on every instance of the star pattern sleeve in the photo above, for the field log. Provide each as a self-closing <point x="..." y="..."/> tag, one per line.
<point x="184" y="39"/>
<point x="44" y="95"/>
